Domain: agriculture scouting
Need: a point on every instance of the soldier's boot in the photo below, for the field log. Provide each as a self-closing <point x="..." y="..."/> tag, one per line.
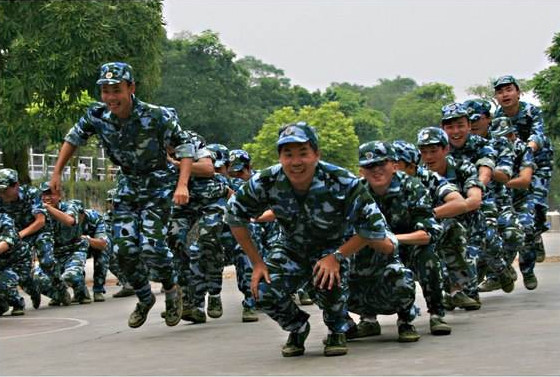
<point x="174" y="308"/>
<point x="195" y="315"/>
<point x="461" y="300"/>
<point x="511" y="271"/>
<point x="539" y="246"/>
<point x="17" y="310"/>
<point x="530" y="281"/>
<point x="64" y="298"/>
<point x="215" y="309"/>
<point x="295" y="346"/>
<point x="140" y="313"/>
<point x="35" y="295"/>
<point x="489" y="285"/>
<point x="304" y="298"/>
<point x="336" y="345"/>
<point x="249" y="315"/>
<point x="124" y="292"/>
<point x="438" y="326"/>
<point x="506" y="282"/>
<point x="4" y="307"/>
<point x="408" y="333"/>
<point x="98" y="297"/>
<point x="363" y="329"/>
<point x="83" y="297"/>
<point x="447" y="302"/>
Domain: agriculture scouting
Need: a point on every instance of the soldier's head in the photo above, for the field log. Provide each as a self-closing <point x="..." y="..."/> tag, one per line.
<point x="49" y="196"/>
<point x="507" y="92"/>
<point x="110" y="198"/>
<point x="503" y="126"/>
<point x="407" y="156"/>
<point x="239" y="164"/>
<point x="9" y="185"/>
<point x="377" y="164"/>
<point x="479" y="111"/>
<point x="220" y="157"/>
<point x="298" y="150"/>
<point x="456" y="123"/>
<point x="433" y="143"/>
<point x="117" y="87"/>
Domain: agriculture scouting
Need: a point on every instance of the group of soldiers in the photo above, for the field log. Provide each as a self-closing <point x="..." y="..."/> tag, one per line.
<point x="451" y="211"/>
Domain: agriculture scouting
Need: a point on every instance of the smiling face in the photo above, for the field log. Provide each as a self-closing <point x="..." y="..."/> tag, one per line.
<point x="457" y="130"/>
<point x="118" y="98"/>
<point x="379" y="175"/>
<point x="507" y="96"/>
<point x="299" y="162"/>
<point x="434" y="157"/>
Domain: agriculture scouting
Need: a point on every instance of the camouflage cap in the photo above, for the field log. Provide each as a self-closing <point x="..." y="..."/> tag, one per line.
<point x="432" y="136"/>
<point x="114" y="73"/>
<point x="505" y="80"/>
<point x="45" y="186"/>
<point x="299" y="132"/>
<point x="453" y="111"/>
<point x="374" y="152"/>
<point x="502" y="126"/>
<point x="7" y="178"/>
<point x="239" y="160"/>
<point x="476" y="108"/>
<point x="407" y="152"/>
<point x="220" y="154"/>
<point x="111" y="195"/>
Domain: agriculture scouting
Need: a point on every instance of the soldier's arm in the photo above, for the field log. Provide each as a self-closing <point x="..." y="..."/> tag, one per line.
<point x="181" y="195"/>
<point x="454" y="205"/>
<point x="474" y="199"/>
<point x="96" y="243"/>
<point x="4" y="247"/>
<point x="484" y="174"/>
<point x="60" y="216"/>
<point x="34" y="227"/>
<point x="266" y="217"/>
<point x="500" y="176"/>
<point x="523" y="181"/>
<point x="418" y="237"/>
<point x="64" y="155"/>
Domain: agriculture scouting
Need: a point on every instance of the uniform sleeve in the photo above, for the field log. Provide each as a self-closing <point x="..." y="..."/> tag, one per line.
<point x="37" y="206"/>
<point x="421" y="209"/>
<point x="469" y="174"/>
<point x="537" y="125"/>
<point x="249" y="201"/>
<point x="504" y="161"/>
<point x="100" y="230"/>
<point x="486" y="155"/>
<point x="79" y="134"/>
<point x="364" y="214"/>
<point x="74" y="208"/>
<point x="8" y="231"/>
<point x="177" y="138"/>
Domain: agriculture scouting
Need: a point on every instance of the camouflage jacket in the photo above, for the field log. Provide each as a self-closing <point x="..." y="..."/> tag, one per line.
<point x="476" y="150"/>
<point x="462" y="174"/>
<point x="8" y="234"/>
<point x="23" y="210"/>
<point x="524" y="158"/>
<point x="407" y="206"/>
<point x="137" y="145"/>
<point x="67" y="235"/>
<point x="93" y="225"/>
<point x="336" y="200"/>
<point x="438" y="187"/>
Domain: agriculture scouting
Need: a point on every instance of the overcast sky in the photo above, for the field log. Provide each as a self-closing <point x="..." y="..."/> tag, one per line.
<point x="317" y="42"/>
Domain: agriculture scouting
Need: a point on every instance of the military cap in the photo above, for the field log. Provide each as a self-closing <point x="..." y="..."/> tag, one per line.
<point x="111" y="195"/>
<point x="220" y="154"/>
<point x="114" y="73"/>
<point x="476" y="108"/>
<point x="432" y="136"/>
<point x="505" y="80"/>
<point x="299" y="132"/>
<point x="238" y="160"/>
<point x="453" y="111"/>
<point x="407" y="152"/>
<point x="7" y="178"/>
<point x="45" y="186"/>
<point x="374" y="152"/>
<point x="502" y="126"/>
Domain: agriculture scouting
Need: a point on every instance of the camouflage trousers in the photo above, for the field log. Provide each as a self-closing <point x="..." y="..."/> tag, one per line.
<point x="540" y="186"/>
<point x="16" y="269"/>
<point x="512" y="233"/>
<point x="141" y="212"/>
<point x="71" y="261"/>
<point x="115" y="267"/>
<point x="100" y="267"/>
<point x="426" y="265"/>
<point x="207" y="256"/>
<point x="452" y="250"/>
<point x="290" y="270"/>
<point x="526" y="213"/>
<point x="381" y="284"/>
<point x="43" y="244"/>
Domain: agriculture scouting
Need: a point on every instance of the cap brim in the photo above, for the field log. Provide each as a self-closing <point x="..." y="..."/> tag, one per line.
<point x="373" y="161"/>
<point x="291" y="139"/>
<point x="108" y="81"/>
<point x="3" y="187"/>
<point x="236" y="167"/>
<point x="475" y="117"/>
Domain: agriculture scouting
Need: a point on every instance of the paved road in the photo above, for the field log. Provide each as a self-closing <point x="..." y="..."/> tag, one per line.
<point x="513" y="334"/>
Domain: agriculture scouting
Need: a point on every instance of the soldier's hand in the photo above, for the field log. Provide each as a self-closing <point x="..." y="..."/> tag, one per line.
<point x="181" y="195"/>
<point x="55" y="183"/>
<point x="260" y="271"/>
<point x="327" y="272"/>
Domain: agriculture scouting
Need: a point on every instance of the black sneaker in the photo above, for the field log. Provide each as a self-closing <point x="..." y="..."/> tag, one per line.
<point x="506" y="282"/>
<point x="140" y="313"/>
<point x="304" y="298"/>
<point x="124" y="292"/>
<point x="174" y="309"/>
<point x="35" y="297"/>
<point x="530" y="281"/>
<point x="439" y="327"/>
<point x="215" y="309"/>
<point x="336" y="345"/>
<point x="295" y="346"/>
<point x="541" y="254"/>
<point x="17" y="311"/>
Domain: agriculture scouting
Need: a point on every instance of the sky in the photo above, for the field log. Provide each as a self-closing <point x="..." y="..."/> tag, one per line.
<point x="318" y="42"/>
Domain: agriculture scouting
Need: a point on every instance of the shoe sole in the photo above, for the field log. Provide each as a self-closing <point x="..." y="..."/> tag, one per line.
<point x="409" y="339"/>
<point x="256" y="319"/>
<point x="440" y="332"/>
<point x="293" y="353"/>
<point x="338" y="351"/>
<point x="212" y="314"/>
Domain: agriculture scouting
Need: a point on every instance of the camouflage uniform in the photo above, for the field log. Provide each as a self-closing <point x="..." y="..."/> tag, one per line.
<point x="313" y="227"/>
<point x="94" y="226"/>
<point x="15" y="264"/>
<point x="145" y="186"/>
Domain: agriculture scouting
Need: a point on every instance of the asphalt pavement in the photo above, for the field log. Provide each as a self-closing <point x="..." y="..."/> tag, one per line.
<point x="512" y="334"/>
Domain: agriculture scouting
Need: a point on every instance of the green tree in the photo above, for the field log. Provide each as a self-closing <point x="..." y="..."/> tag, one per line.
<point x="50" y="52"/>
<point x="370" y="125"/>
<point x="417" y="109"/>
<point x="337" y="141"/>
<point x="382" y="96"/>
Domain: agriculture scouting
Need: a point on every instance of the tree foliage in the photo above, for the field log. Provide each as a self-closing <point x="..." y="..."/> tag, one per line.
<point x="337" y="141"/>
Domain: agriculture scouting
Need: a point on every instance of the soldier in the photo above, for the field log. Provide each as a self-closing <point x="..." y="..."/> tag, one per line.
<point x="23" y="204"/>
<point x="135" y="135"/>
<point x="15" y="266"/>
<point x="314" y="203"/>
<point x="528" y="121"/>
<point x="70" y="249"/>
<point x="99" y="247"/>
<point x="485" y="243"/>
